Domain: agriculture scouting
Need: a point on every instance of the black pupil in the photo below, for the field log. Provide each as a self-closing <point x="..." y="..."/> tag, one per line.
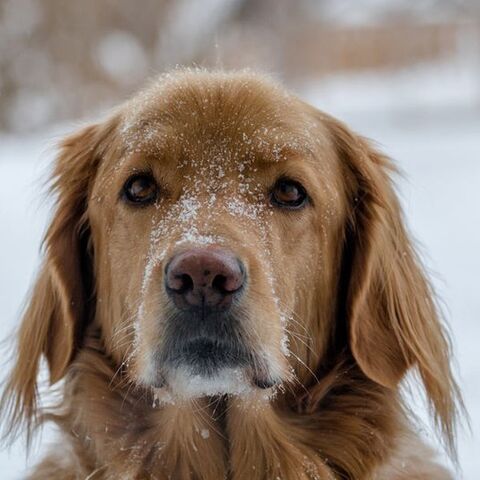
<point x="140" y="189"/>
<point x="289" y="191"/>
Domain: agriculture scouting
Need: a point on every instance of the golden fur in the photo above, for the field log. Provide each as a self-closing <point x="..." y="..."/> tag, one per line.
<point x="340" y="279"/>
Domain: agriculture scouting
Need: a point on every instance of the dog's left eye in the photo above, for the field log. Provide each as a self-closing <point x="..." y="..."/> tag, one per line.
<point x="140" y="189"/>
<point x="288" y="194"/>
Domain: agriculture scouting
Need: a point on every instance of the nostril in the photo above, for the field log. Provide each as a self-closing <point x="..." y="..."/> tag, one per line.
<point x="230" y="283"/>
<point x="184" y="284"/>
<point x="219" y="283"/>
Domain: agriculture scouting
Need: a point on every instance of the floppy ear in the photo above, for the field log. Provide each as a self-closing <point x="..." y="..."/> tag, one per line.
<point x="393" y="319"/>
<point x="59" y="305"/>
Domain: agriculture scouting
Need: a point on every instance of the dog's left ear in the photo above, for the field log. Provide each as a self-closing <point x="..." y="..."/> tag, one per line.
<point x="68" y="263"/>
<point x="393" y="320"/>
<point x="58" y="307"/>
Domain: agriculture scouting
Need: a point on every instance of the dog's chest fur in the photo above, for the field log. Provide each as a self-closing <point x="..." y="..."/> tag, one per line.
<point x="118" y="432"/>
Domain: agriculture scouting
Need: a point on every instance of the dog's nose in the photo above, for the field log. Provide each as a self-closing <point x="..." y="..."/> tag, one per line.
<point x="204" y="277"/>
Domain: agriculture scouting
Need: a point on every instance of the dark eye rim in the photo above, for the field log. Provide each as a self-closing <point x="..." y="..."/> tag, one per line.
<point x="127" y="198"/>
<point x="305" y="199"/>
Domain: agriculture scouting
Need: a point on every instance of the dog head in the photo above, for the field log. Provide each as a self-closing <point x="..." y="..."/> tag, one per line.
<point x="225" y="237"/>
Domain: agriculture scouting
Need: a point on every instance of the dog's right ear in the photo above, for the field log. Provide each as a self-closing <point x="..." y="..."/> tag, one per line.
<point x="394" y="323"/>
<point x="56" y="313"/>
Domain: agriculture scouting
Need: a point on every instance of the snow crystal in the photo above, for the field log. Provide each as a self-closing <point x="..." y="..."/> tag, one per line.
<point x="192" y="236"/>
<point x="188" y="208"/>
<point x="162" y="397"/>
<point x="239" y="208"/>
<point x="284" y="345"/>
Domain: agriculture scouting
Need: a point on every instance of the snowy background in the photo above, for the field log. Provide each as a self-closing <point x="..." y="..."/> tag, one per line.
<point x="424" y="113"/>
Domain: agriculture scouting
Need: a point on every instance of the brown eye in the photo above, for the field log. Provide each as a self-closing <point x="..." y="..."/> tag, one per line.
<point x="288" y="194"/>
<point x="140" y="189"/>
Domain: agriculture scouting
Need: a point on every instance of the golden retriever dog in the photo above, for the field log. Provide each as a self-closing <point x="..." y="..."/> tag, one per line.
<point x="229" y="292"/>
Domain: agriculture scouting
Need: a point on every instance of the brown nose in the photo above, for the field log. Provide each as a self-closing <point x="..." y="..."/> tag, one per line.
<point x="204" y="277"/>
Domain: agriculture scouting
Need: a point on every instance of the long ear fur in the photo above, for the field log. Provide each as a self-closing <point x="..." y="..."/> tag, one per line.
<point x="393" y="319"/>
<point x="55" y="315"/>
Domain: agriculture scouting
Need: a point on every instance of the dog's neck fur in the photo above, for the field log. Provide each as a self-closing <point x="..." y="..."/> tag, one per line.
<point x="115" y="429"/>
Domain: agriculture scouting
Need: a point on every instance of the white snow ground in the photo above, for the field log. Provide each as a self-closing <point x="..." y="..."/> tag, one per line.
<point x="427" y="119"/>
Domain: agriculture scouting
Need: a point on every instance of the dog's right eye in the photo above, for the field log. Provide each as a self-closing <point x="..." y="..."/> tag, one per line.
<point x="140" y="189"/>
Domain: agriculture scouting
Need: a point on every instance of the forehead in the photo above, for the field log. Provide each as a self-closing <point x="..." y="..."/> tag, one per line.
<point x="193" y="116"/>
<point x="218" y="140"/>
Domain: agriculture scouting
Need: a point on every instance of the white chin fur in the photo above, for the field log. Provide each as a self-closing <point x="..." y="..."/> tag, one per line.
<point x="181" y="384"/>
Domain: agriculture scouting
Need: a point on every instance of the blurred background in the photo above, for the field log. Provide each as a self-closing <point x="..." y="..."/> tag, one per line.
<point x="404" y="73"/>
<point x="61" y="60"/>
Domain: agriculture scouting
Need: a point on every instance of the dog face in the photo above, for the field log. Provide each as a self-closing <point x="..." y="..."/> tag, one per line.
<point x="218" y="235"/>
<point x="211" y="220"/>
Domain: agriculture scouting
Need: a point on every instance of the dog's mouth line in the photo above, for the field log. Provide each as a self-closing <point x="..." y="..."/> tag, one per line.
<point x="204" y="348"/>
<point x="214" y="363"/>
